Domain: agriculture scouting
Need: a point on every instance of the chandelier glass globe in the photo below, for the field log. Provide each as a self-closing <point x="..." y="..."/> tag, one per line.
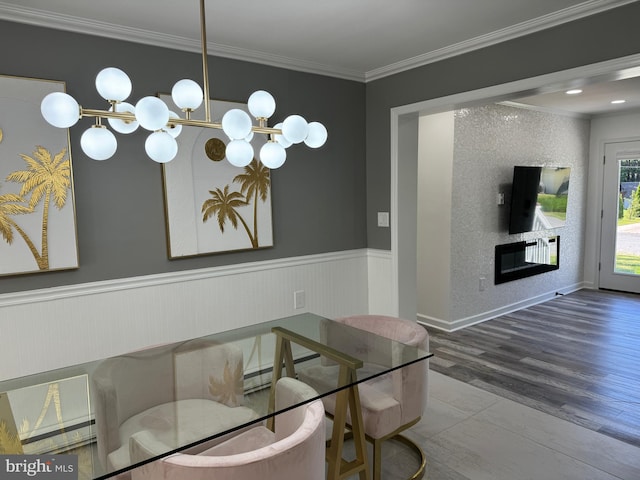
<point x="98" y="143"/>
<point x="152" y="113"/>
<point x="113" y="84"/>
<point x="175" y="128"/>
<point x="295" y="128"/>
<point x="161" y="147"/>
<point x="123" y="126"/>
<point x="239" y="153"/>
<point x="317" y="135"/>
<point x="236" y="124"/>
<point x="261" y="104"/>
<point x="280" y="138"/>
<point x="273" y="155"/>
<point x="60" y="110"/>
<point x="187" y="94"/>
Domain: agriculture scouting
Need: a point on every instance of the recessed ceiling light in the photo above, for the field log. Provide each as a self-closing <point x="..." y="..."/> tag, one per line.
<point x="575" y="91"/>
<point x="618" y="101"/>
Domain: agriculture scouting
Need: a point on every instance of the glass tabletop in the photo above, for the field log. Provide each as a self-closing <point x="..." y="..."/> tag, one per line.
<point x="121" y="412"/>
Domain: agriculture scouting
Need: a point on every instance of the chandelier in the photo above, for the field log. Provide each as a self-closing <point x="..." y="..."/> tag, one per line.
<point x="151" y="113"/>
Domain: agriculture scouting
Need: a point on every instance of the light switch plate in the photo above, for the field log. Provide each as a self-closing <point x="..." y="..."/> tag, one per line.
<point x="383" y="219"/>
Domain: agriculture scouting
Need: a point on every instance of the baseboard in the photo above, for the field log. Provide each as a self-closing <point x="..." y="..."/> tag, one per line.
<point x="452" y="326"/>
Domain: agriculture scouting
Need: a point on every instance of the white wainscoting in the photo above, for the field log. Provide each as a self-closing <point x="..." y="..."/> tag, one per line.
<point x="380" y="283"/>
<point x="52" y="328"/>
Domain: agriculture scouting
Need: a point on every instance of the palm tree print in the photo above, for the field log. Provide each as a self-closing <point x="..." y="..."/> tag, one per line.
<point x="11" y="204"/>
<point x="255" y="182"/>
<point x="223" y="204"/>
<point x="47" y="178"/>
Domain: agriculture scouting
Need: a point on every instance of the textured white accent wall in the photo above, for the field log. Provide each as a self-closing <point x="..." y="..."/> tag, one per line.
<point x="435" y="180"/>
<point x="489" y="141"/>
<point x="46" y="329"/>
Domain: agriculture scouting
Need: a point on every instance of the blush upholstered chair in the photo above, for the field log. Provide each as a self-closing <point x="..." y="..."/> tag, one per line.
<point x="391" y="402"/>
<point x="178" y="393"/>
<point x="296" y="450"/>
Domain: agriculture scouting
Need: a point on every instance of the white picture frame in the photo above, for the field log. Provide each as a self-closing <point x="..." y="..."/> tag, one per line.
<point x="37" y="207"/>
<point x="197" y="176"/>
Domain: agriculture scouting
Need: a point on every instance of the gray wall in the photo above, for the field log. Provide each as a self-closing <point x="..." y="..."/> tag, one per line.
<point x="609" y="35"/>
<point x="318" y="196"/>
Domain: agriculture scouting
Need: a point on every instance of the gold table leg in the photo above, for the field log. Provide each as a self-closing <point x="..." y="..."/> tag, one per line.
<point x="347" y="399"/>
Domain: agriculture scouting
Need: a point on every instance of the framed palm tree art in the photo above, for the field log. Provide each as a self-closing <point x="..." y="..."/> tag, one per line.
<point x="210" y="205"/>
<point x="37" y="208"/>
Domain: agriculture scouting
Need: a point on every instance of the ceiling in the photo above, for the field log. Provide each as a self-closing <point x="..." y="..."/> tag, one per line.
<point x="357" y="39"/>
<point x="595" y="98"/>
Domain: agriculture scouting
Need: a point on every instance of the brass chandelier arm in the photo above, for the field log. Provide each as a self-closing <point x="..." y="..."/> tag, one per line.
<point x="126" y="116"/>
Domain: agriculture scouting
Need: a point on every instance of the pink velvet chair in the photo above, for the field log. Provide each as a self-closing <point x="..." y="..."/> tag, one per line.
<point x="296" y="450"/>
<point x="391" y="402"/>
<point x="178" y="393"/>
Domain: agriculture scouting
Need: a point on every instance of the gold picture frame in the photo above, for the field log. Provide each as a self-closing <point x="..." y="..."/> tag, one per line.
<point x="37" y="207"/>
<point x="210" y="205"/>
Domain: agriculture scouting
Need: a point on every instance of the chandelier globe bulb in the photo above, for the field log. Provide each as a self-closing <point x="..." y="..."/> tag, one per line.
<point x="187" y="94"/>
<point x="175" y="129"/>
<point x="98" y="143"/>
<point x="280" y="138"/>
<point x="60" y="110"/>
<point x="317" y="135"/>
<point x="295" y="128"/>
<point x="261" y="104"/>
<point x="123" y="126"/>
<point x="161" y="147"/>
<point x="239" y="153"/>
<point x="273" y="155"/>
<point x="113" y="84"/>
<point x="236" y="124"/>
<point x="152" y="113"/>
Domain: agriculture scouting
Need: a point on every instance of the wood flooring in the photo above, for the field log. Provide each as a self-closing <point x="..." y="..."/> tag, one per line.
<point x="576" y="357"/>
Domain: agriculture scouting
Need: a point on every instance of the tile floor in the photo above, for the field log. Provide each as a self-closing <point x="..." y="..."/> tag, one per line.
<point x="471" y="434"/>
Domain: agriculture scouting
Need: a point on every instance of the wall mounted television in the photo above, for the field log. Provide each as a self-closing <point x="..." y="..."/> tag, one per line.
<point x="538" y="198"/>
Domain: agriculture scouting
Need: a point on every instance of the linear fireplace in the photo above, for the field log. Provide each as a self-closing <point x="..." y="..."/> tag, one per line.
<point x="524" y="259"/>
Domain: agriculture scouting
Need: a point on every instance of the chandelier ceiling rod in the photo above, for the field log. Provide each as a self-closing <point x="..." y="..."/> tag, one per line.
<point x="205" y="67"/>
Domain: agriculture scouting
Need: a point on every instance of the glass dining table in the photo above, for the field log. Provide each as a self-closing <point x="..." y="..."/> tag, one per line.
<point x="191" y="394"/>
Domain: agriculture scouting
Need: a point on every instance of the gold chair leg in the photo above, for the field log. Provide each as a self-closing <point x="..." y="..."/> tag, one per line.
<point x="377" y="449"/>
<point x="377" y="455"/>
<point x="416" y="448"/>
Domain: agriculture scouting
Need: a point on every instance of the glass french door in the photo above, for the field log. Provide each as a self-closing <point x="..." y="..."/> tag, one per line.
<point x="620" y="236"/>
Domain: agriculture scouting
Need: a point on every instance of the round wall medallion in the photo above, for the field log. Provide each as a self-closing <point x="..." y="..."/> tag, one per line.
<point x="215" y="149"/>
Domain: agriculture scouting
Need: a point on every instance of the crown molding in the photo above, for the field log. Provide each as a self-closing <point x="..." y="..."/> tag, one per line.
<point x="72" y="23"/>
<point x="40" y="18"/>
<point x="566" y="15"/>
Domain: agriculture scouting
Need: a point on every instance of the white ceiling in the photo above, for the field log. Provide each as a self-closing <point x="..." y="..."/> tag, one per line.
<point x="355" y="39"/>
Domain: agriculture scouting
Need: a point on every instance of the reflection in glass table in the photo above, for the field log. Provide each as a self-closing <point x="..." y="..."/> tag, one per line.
<point x="188" y="395"/>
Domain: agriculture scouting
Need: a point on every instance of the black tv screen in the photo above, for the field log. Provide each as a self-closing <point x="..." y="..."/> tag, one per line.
<point x="538" y="198"/>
